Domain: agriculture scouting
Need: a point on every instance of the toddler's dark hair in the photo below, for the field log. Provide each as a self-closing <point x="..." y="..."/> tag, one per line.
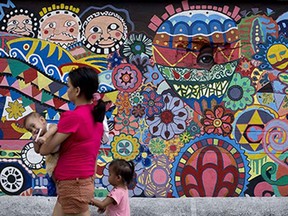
<point x="123" y="168"/>
<point x="86" y="78"/>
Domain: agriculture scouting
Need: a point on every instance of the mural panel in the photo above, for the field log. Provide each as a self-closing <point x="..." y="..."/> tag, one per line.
<point x="199" y="93"/>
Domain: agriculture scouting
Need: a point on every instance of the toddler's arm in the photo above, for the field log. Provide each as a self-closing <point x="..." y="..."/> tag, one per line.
<point x="50" y="132"/>
<point x="102" y="204"/>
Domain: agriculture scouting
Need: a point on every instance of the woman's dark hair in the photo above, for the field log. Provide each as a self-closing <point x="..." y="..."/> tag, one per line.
<point x="123" y="168"/>
<point x="86" y="79"/>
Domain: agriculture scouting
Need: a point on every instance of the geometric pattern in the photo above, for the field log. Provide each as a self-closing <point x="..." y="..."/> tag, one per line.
<point x="249" y="127"/>
<point x="32" y="86"/>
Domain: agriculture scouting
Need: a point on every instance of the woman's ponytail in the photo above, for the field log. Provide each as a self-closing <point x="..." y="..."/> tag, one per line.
<point x="99" y="111"/>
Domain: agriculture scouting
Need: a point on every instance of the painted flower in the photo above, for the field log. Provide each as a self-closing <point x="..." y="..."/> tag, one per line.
<point x="193" y="128"/>
<point x="172" y="148"/>
<point x="240" y="93"/>
<point x="123" y="103"/>
<point x="217" y="121"/>
<point x="153" y="103"/>
<point x="144" y="156"/>
<point x="153" y="75"/>
<point x="171" y="119"/>
<point x="245" y="67"/>
<point x="126" y="124"/>
<point x="185" y="137"/>
<point x="134" y="188"/>
<point x="138" y="111"/>
<point x="157" y="146"/>
<point x="115" y="60"/>
<point x="137" y="44"/>
<point x="126" y="77"/>
<point x="15" y="109"/>
<point x="141" y="62"/>
<point x="155" y="179"/>
<point x="136" y="98"/>
<point x="125" y="147"/>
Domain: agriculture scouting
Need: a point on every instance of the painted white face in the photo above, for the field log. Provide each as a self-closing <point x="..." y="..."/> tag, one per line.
<point x="104" y="31"/>
<point x="62" y="29"/>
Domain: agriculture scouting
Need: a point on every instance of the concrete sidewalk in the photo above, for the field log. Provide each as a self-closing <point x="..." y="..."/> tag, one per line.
<point x="17" y="206"/>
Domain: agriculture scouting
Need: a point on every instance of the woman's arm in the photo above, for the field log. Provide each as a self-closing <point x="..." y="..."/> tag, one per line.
<point x="53" y="142"/>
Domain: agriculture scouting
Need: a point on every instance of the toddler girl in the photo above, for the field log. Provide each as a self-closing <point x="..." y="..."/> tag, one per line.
<point x="117" y="202"/>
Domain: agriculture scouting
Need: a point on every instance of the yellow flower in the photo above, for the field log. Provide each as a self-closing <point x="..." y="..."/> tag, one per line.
<point x="15" y="109"/>
<point x="125" y="147"/>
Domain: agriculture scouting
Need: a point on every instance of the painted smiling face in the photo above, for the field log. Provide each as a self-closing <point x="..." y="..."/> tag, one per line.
<point x="104" y="32"/>
<point x="60" y="27"/>
<point x="277" y="56"/>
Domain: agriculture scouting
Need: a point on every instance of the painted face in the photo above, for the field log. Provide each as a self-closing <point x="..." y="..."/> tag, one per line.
<point x="104" y="31"/>
<point x="194" y="57"/>
<point x="20" y="24"/>
<point x="277" y="56"/>
<point x="62" y="29"/>
<point x="104" y="34"/>
<point x="33" y="124"/>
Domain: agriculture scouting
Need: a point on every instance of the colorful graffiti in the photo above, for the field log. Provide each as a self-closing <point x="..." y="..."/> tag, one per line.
<point x="199" y="92"/>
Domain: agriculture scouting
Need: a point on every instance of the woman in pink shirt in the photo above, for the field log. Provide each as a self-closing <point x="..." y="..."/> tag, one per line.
<point x="117" y="202"/>
<point x="79" y="136"/>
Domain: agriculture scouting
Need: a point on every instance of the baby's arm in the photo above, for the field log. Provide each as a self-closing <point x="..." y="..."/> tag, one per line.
<point x="50" y="132"/>
<point x="36" y="147"/>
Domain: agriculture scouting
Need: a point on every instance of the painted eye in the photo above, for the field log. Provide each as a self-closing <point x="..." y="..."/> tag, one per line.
<point x="205" y="58"/>
<point x="12" y="22"/>
<point x="50" y="25"/>
<point x="69" y="23"/>
<point x="26" y="46"/>
<point x="95" y="29"/>
<point x="27" y="22"/>
<point x="113" y="26"/>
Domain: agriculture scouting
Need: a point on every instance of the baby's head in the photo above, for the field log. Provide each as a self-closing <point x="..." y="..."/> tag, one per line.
<point x="33" y="122"/>
<point x="121" y="172"/>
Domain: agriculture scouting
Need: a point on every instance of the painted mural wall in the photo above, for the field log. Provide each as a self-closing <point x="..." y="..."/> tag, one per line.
<point x="199" y="92"/>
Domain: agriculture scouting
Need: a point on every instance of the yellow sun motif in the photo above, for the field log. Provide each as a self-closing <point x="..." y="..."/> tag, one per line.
<point x="15" y="109"/>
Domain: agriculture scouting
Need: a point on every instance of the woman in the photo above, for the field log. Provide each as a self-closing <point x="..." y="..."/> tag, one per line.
<point x="79" y="134"/>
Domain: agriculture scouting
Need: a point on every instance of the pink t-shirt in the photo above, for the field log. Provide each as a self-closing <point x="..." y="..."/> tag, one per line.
<point x="78" y="153"/>
<point x="121" y="197"/>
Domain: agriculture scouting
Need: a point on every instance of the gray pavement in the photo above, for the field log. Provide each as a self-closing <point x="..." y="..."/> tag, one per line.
<point x="272" y="206"/>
